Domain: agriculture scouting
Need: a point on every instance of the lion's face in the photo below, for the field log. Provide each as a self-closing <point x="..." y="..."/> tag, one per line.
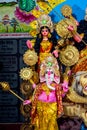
<point x="83" y="82"/>
<point x="79" y="83"/>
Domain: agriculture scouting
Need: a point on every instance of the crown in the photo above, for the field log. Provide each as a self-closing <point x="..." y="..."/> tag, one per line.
<point x="45" y="20"/>
<point x="49" y="62"/>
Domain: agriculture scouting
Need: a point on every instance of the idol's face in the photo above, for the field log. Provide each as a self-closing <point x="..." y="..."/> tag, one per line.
<point x="49" y="76"/>
<point x="44" y="32"/>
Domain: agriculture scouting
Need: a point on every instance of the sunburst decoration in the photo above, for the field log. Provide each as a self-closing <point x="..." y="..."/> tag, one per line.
<point x="26" y="73"/>
<point x="69" y="55"/>
<point x="30" y="57"/>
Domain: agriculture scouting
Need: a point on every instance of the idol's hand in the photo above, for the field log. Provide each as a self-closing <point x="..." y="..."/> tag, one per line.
<point x="29" y="44"/>
<point x="34" y="86"/>
<point x="77" y="38"/>
<point x="69" y="72"/>
<point x="65" y="86"/>
<point x="26" y="102"/>
<point x="55" y="52"/>
<point x="70" y="28"/>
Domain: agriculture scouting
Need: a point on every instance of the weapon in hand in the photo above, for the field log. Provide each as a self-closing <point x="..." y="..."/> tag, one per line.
<point x="5" y="87"/>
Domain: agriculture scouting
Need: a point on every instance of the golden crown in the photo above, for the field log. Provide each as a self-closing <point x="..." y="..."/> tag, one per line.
<point x="45" y="20"/>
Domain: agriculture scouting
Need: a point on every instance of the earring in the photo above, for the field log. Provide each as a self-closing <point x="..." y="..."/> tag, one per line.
<point x="49" y="35"/>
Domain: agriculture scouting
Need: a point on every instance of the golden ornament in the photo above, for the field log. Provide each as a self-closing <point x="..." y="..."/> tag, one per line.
<point x="45" y="20"/>
<point x="69" y="55"/>
<point x="82" y="63"/>
<point x="30" y="57"/>
<point x="26" y="73"/>
<point x="62" y="27"/>
<point x="5" y="86"/>
<point x="26" y="88"/>
<point x="25" y="110"/>
<point x="66" y="11"/>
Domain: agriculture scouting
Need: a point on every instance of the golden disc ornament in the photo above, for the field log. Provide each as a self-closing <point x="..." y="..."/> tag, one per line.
<point x="30" y="57"/>
<point x="69" y="55"/>
<point x="66" y="11"/>
<point x="82" y="63"/>
<point x="25" y="110"/>
<point x="62" y="27"/>
<point x="26" y="88"/>
<point x="26" y="73"/>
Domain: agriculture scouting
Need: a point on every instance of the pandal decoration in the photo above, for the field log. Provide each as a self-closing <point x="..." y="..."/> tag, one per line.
<point x="30" y="57"/>
<point x="69" y="55"/>
<point x="26" y="88"/>
<point x="26" y="73"/>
